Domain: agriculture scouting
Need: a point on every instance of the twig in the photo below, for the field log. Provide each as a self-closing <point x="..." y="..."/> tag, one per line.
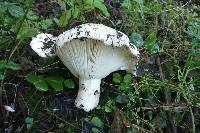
<point x="141" y="130"/>
<point x="63" y="120"/>
<point x="43" y="68"/>
<point x="168" y="106"/>
<point x="24" y="102"/>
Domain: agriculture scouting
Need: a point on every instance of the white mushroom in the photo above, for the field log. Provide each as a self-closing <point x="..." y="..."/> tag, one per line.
<point x="90" y="52"/>
<point x="43" y="44"/>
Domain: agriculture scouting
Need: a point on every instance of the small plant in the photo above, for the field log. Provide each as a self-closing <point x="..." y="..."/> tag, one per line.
<point x="109" y="106"/>
<point x="29" y="122"/>
<point x="97" y="122"/>
<point x="42" y="82"/>
<point x="78" y="9"/>
<point x="124" y="83"/>
<point x="4" y="65"/>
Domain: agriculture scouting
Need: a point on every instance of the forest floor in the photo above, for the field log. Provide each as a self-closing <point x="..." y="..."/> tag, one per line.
<point x="164" y="97"/>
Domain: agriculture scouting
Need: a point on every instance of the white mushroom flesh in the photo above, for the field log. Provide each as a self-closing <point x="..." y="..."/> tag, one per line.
<point x="43" y="44"/>
<point x="89" y="92"/>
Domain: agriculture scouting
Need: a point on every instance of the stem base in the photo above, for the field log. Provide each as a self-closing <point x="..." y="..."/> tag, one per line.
<point x="88" y="94"/>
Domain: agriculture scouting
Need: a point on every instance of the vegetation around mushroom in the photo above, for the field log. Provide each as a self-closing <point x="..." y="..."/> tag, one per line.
<point x="38" y="95"/>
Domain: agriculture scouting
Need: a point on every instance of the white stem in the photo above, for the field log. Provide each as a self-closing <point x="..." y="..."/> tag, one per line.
<point x="88" y="94"/>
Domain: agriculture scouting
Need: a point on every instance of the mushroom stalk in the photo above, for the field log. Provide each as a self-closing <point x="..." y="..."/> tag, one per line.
<point x="88" y="94"/>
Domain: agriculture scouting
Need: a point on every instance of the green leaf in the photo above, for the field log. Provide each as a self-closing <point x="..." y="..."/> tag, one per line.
<point x="109" y="106"/>
<point x="41" y="85"/>
<point x="46" y="23"/>
<point x="63" y="20"/>
<point x="136" y="39"/>
<point x="15" y="11"/>
<point x="117" y="78"/>
<point x="33" y="78"/>
<point x="13" y="66"/>
<point x="95" y="130"/>
<point x="55" y="82"/>
<point x="151" y="43"/>
<point x="177" y="98"/>
<point x="1" y="76"/>
<point x="133" y="97"/>
<point x="169" y="69"/>
<point x="2" y="64"/>
<point x="124" y="86"/>
<point x="100" y="5"/>
<point x="139" y="1"/>
<point x="126" y="4"/>
<point x="127" y="79"/>
<point x="10" y="65"/>
<point x="28" y="2"/>
<point x="3" y="7"/>
<point x="141" y="6"/>
<point x="151" y="39"/>
<point x="121" y="99"/>
<point x="7" y="21"/>
<point x="69" y="83"/>
<point x="90" y="4"/>
<point x="108" y="109"/>
<point x="194" y="30"/>
<point x="138" y="109"/>
<point x="155" y="48"/>
<point x="26" y="31"/>
<point x="150" y="114"/>
<point x="82" y="18"/>
<point x="132" y="130"/>
<point x="29" y="122"/>
<point x="31" y="15"/>
<point x="74" y="11"/>
<point x="29" y="126"/>
<point x="61" y="125"/>
<point x="97" y="122"/>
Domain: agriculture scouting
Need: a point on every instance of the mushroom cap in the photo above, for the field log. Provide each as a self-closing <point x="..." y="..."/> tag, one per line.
<point x="93" y="51"/>
<point x="44" y="44"/>
<point x="107" y="35"/>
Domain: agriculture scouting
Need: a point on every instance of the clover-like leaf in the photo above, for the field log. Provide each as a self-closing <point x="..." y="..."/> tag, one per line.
<point x="136" y="39"/>
<point x="55" y="82"/>
<point x="117" y="78"/>
<point x="69" y="83"/>
<point x="15" y="10"/>
<point x="97" y="122"/>
<point x="41" y="85"/>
